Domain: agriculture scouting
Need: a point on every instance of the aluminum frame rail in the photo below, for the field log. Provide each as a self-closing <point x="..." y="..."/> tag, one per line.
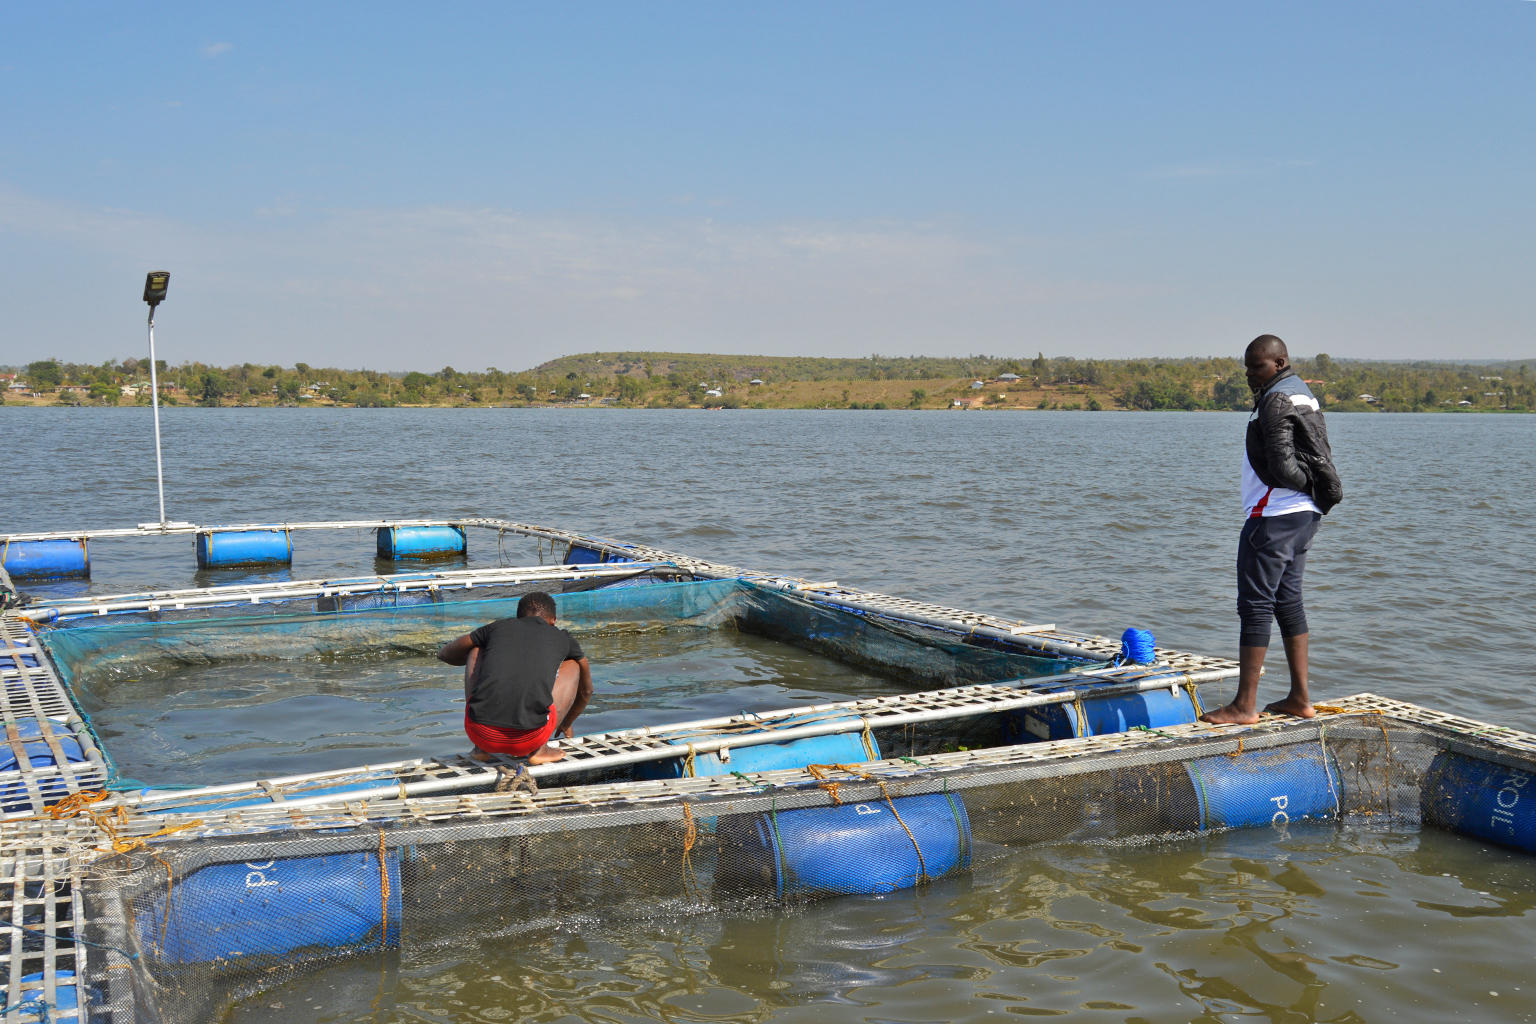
<point x="1040" y="637"/>
<point x="182" y="529"/>
<point x="599" y="751"/>
<point x="397" y="583"/>
<point x="354" y="825"/>
<point x="1045" y="638"/>
<point x="33" y="692"/>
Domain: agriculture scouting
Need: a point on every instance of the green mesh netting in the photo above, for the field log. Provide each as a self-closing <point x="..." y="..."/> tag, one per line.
<point x="90" y="650"/>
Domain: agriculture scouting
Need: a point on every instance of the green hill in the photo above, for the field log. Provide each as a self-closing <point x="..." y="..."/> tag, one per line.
<point x="694" y="366"/>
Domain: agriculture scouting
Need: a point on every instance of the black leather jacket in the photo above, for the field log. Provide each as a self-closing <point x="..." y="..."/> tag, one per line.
<point x="1288" y="441"/>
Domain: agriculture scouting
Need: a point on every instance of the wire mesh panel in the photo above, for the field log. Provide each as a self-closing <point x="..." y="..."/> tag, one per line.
<point x="106" y="647"/>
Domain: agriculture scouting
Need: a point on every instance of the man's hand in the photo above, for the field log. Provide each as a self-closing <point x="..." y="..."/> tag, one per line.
<point x="456" y="652"/>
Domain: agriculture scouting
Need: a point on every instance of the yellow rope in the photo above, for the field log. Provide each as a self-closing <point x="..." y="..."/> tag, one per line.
<point x="75" y="805"/>
<point x="383" y="891"/>
<point x="922" y="865"/>
<point x="818" y="771"/>
<point x="688" y="769"/>
<point x="1334" y="709"/>
<point x="869" y="741"/>
<point x="79" y="803"/>
<point x="691" y="885"/>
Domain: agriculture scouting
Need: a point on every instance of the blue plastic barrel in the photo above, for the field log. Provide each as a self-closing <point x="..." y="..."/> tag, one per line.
<point x="9" y="659"/>
<point x="1265" y="787"/>
<point x="1152" y="709"/>
<point x="13" y="795"/>
<point x="840" y="748"/>
<point x="52" y="788"/>
<point x="845" y="850"/>
<point x="65" y="989"/>
<point x="1480" y="798"/>
<point x="421" y="541"/>
<point x="39" y="754"/>
<point x="219" y="548"/>
<point x="45" y="559"/>
<point x="287" y="908"/>
<point x="579" y="555"/>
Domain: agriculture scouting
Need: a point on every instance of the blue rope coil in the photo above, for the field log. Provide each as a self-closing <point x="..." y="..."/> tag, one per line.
<point x="1136" y="645"/>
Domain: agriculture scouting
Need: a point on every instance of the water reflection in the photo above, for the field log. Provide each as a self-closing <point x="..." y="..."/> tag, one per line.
<point x="1315" y="923"/>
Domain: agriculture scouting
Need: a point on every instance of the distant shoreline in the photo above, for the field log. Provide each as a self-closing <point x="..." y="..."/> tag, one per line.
<point x="1338" y="408"/>
<point x="672" y="380"/>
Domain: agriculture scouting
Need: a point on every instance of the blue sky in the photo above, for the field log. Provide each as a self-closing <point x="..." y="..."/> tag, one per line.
<point x="413" y="185"/>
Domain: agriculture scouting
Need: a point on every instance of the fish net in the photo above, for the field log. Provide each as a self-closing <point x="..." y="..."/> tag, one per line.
<point x="91" y="651"/>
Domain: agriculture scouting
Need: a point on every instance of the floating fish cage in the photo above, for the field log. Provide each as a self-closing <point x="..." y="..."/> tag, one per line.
<point x="171" y="905"/>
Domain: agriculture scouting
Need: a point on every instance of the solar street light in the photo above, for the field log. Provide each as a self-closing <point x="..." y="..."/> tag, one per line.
<point x="155" y="284"/>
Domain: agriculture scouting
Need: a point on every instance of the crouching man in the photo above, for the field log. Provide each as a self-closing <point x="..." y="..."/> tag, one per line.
<point x="525" y="679"/>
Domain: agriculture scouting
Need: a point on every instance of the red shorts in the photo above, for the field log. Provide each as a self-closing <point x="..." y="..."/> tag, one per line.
<point x="517" y="742"/>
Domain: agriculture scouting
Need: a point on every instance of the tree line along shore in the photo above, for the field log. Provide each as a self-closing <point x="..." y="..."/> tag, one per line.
<point x="686" y="380"/>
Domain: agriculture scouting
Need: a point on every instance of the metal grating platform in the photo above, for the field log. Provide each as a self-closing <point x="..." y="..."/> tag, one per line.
<point x="422" y="777"/>
<point x="33" y="698"/>
<point x="43" y="908"/>
<point x="792" y="787"/>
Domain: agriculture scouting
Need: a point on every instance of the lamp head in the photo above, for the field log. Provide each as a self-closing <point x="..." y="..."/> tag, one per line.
<point x="155" y="284"/>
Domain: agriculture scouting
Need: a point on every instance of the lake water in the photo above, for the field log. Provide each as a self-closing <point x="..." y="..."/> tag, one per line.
<point x="1419" y="587"/>
<point x="264" y="718"/>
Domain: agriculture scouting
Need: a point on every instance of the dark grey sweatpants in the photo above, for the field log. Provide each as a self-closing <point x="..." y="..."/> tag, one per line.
<point x="1271" y="556"/>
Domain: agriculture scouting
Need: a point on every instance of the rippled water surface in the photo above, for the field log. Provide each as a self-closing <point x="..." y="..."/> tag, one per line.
<point x="1419" y="587"/>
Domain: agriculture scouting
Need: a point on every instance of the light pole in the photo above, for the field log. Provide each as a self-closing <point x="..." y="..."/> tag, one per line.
<point x="155" y="284"/>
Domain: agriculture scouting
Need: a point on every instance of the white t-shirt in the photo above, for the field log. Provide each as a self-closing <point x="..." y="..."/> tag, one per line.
<point x="1259" y="499"/>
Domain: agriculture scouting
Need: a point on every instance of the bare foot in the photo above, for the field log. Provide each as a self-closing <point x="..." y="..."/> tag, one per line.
<point x="1230" y="715"/>
<point x="479" y="755"/>
<point x="545" y="754"/>
<point x="1294" y="708"/>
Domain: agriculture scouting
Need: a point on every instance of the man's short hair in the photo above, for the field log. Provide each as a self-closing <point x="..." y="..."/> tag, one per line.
<point x="537" y="603"/>
<point x="1268" y="345"/>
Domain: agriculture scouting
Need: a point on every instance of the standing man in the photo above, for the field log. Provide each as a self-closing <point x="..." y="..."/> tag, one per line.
<point x="1289" y="484"/>
<point x="524" y="680"/>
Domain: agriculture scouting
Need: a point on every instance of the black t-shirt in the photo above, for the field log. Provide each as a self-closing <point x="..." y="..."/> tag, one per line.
<point x="519" y="659"/>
